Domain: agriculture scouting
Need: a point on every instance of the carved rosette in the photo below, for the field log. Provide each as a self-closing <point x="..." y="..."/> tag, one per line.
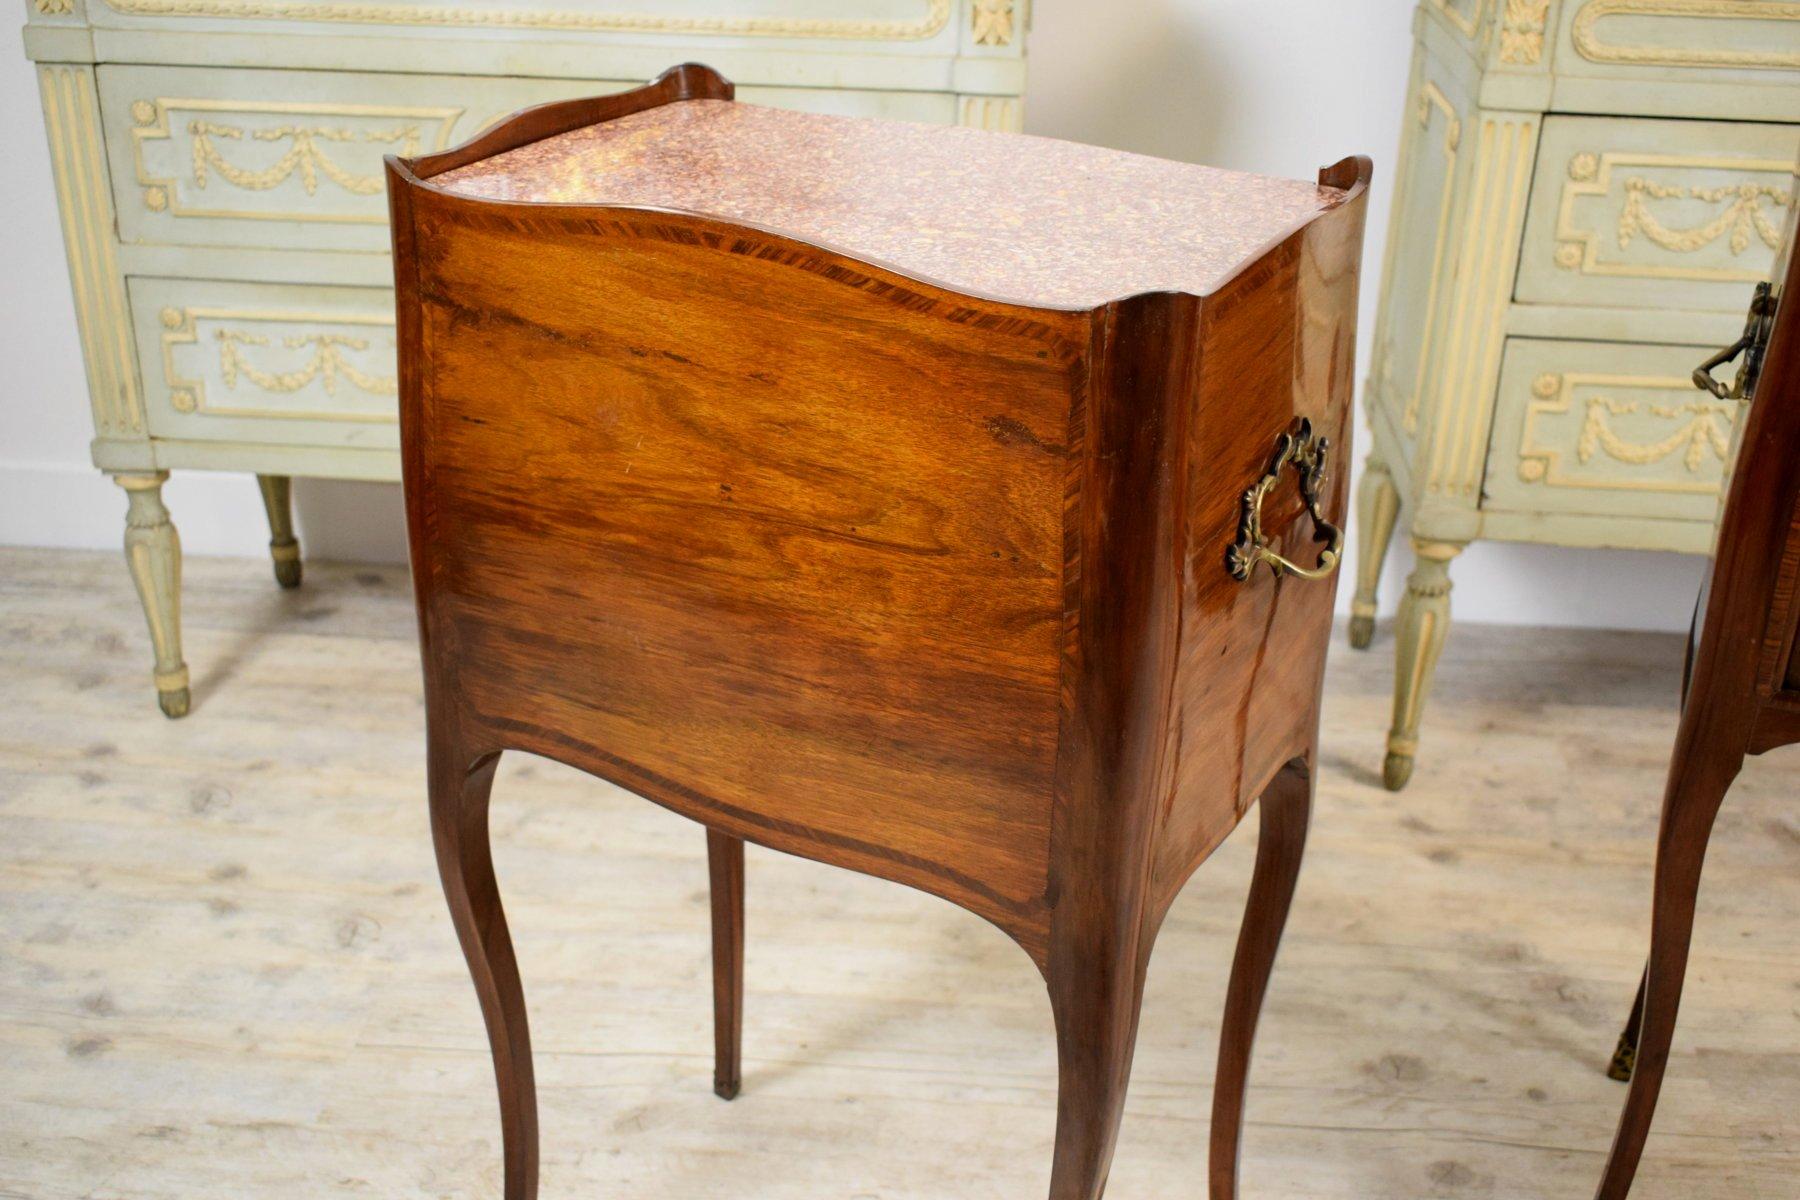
<point x="1522" y="31"/>
<point x="993" y="22"/>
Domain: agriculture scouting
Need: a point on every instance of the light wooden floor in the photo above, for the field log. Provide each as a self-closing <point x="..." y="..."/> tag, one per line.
<point x="225" y="969"/>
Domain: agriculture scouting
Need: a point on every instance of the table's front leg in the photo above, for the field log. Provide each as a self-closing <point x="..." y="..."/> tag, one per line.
<point x="1286" y="807"/>
<point x="460" y="784"/>
<point x="1099" y="953"/>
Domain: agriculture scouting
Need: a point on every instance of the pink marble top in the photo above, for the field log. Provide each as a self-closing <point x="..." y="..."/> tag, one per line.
<point x="1028" y="219"/>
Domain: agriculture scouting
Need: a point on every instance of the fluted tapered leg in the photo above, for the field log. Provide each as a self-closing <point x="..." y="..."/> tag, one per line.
<point x="459" y="788"/>
<point x="1419" y="632"/>
<point x="1286" y="811"/>
<point x="284" y="548"/>
<point x="725" y="864"/>
<point x="153" y="555"/>
<point x="1377" y="508"/>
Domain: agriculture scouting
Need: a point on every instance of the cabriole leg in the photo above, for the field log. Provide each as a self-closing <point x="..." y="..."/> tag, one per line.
<point x="153" y="554"/>
<point x="1422" y="625"/>
<point x="284" y="548"/>
<point x="1692" y="802"/>
<point x="1286" y="810"/>
<point x="1377" y="508"/>
<point x="1096" y="993"/>
<point x="725" y="864"/>
<point x="459" y="792"/>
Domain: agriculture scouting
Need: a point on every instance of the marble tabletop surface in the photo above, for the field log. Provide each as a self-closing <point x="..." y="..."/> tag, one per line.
<point x="1028" y="219"/>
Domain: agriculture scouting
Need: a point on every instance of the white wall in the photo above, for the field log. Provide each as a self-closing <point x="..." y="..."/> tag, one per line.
<point x="1275" y="86"/>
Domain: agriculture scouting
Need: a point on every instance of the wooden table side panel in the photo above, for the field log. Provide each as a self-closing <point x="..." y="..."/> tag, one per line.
<point x="770" y="537"/>
<point x="1277" y="344"/>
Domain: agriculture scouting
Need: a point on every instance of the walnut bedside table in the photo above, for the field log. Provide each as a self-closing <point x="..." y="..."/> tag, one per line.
<point x="752" y="466"/>
<point x="1587" y="191"/>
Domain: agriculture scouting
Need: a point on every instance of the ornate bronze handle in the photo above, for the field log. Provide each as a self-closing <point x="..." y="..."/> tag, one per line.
<point x="1751" y="344"/>
<point x="1307" y="455"/>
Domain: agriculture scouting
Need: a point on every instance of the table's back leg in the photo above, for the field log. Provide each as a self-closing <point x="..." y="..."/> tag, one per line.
<point x="459" y="831"/>
<point x="1624" y="1057"/>
<point x="1697" y="786"/>
<point x="725" y="865"/>
<point x="1286" y="811"/>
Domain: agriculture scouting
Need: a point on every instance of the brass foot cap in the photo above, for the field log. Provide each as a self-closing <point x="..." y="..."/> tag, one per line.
<point x="1362" y="632"/>
<point x="1396" y="771"/>
<point x="173" y="703"/>
<point x="1624" y="1061"/>
<point x="725" y="1089"/>
<point x="287" y="574"/>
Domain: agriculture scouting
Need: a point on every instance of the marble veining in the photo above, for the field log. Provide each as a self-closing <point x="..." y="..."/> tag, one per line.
<point x="1027" y="219"/>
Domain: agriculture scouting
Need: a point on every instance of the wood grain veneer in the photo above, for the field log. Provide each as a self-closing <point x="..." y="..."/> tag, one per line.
<point x="868" y="567"/>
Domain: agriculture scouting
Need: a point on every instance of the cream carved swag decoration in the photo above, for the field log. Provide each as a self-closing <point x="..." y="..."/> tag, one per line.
<point x="1744" y="218"/>
<point x="1743" y="215"/>
<point x="240" y="350"/>
<point x="306" y="155"/>
<point x="327" y="364"/>
<point x="1702" y="436"/>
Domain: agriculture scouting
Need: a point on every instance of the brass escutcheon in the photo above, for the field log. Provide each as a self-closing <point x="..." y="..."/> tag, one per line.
<point x="1306" y="454"/>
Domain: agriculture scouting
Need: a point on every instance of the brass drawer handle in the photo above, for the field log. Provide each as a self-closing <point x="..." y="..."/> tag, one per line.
<point x="1751" y="344"/>
<point x="1307" y="455"/>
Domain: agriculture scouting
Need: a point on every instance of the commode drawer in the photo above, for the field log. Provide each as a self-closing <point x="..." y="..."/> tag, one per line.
<point x="1607" y="429"/>
<point x="292" y="159"/>
<point x="1664" y="43"/>
<point x="267" y="363"/>
<point x="1655" y="214"/>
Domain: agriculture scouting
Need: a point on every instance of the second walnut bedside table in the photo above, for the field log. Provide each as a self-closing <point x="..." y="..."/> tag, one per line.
<point x="946" y="505"/>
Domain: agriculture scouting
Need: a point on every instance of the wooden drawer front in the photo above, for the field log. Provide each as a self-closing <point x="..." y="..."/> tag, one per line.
<point x="1420" y="251"/>
<point x="1608" y="429"/>
<point x="1655" y="214"/>
<point x="1725" y="41"/>
<point x="292" y="159"/>
<point x="258" y="362"/>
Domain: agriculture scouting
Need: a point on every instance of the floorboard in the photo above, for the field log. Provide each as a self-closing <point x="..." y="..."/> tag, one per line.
<point x="226" y="972"/>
